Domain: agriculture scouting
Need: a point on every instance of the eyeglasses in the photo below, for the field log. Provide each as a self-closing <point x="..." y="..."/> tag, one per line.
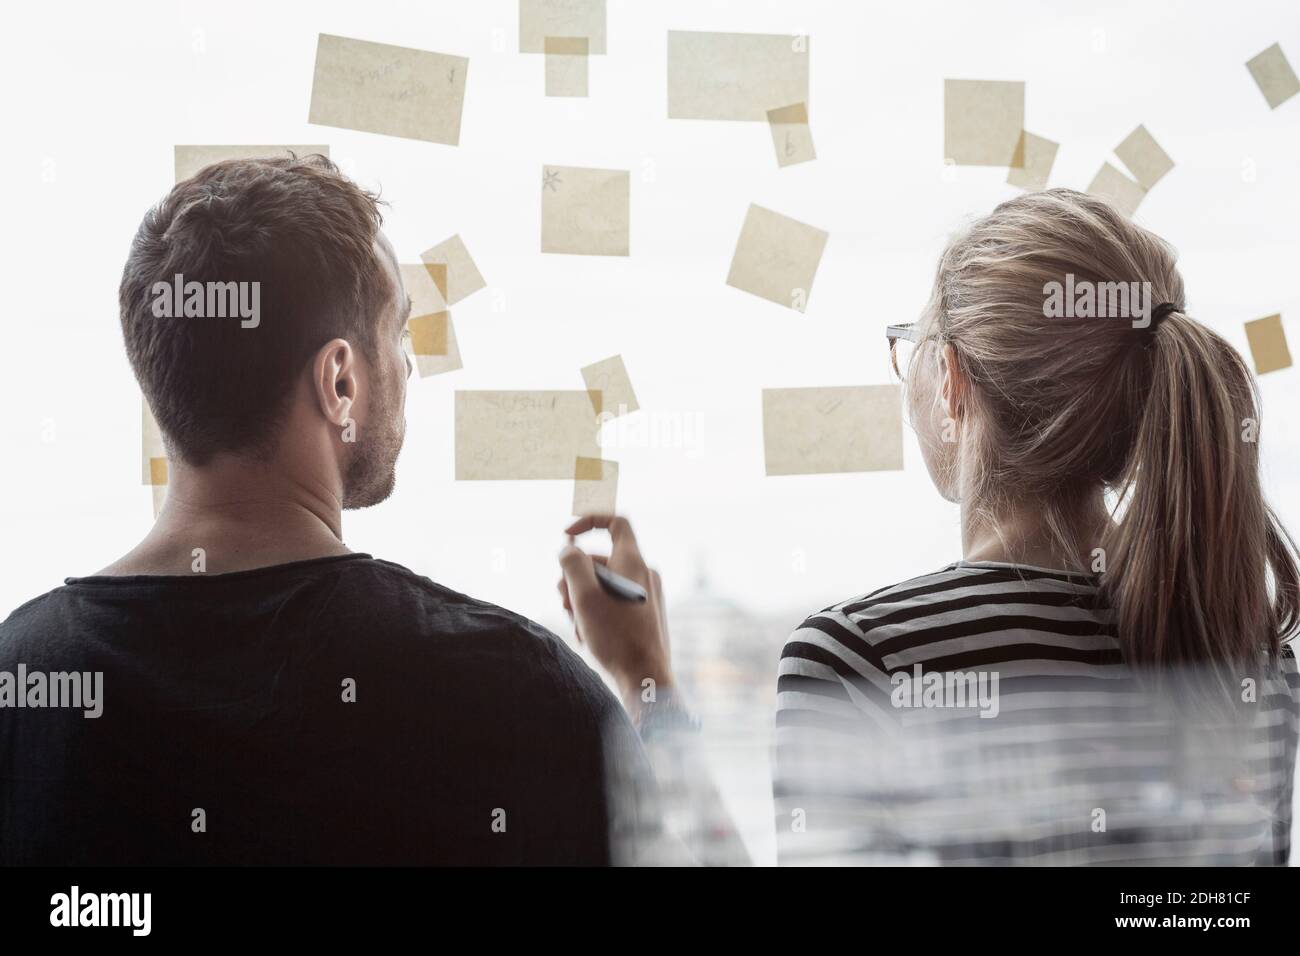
<point x="903" y="340"/>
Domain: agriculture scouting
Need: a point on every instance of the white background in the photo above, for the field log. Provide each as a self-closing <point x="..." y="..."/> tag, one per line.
<point x="97" y="94"/>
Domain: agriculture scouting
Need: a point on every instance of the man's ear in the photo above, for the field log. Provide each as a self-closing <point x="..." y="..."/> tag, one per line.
<point x="334" y="380"/>
<point x="952" y="382"/>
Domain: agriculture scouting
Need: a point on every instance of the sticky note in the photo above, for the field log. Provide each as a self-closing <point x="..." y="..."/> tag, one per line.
<point x="1122" y="193"/>
<point x="157" y="471"/>
<point x="595" y="487"/>
<point x="436" y="329"/>
<point x="609" y="387"/>
<point x="393" y="90"/>
<point x="429" y="333"/>
<point x="1144" y="158"/>
<point x="776" y="258"/>
<point x="159" y="495"/>
<point x="982" y="122"/>
<point x="586" y="211"/>
<point x="190" y="159"/>
<point x="524" y="435"/>
<point x="423" y="288"/>
<point x="791" y="135"/>
<point x="1268" y="344"/>
<point x="1038" y="156"/>
<point x="734" y="76"/>
<point x="462" y="275"/>
<point x="1274" y="76"/>
<point x="539" y="19"/>
<point x="566" y="66"/>
<point x="151" y="444"/>
<point x="823" y="430"/>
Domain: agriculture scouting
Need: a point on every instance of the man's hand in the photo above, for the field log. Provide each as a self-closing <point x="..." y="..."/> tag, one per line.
<point x="630" y="640"/>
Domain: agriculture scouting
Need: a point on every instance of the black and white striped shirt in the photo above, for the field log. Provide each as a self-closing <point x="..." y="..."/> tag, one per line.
<point x="983" y="714"/>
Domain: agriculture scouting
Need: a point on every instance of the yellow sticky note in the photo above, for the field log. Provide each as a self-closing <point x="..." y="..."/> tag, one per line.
<point x="734" y="76"/>
<point x="982" y="122"/>
<point x="791" y="135"/>
<point x="434" y="363"/>
<point x="595" y="487"/>
<point x="1038" y="156"/>
<point x="1268" y="344"/>
<point x="586" y="211"/>
<point x="823" y="430"/>
<point x="151" y="444"/>
<point x="429" y="333"/>
<point x="610" y="387"/>
<point x="776" y="258"/>
<point x="539" y="19"/>
<point x="566" y="66"/>
<point x="1116" y="188"/>
<point x="460" y="275"/>
<point x="189" y="159"/>
<point x="523" y="435"/>
<point x="1144" y="158"/>
<point x="422" y="289"/>
<point x="393" y="90"/>
<point x="1274" y="76"/>
<point x="157" y="471"/>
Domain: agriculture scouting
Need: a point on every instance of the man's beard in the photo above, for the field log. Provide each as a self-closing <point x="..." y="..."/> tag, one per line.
<point x="372" y="471"/>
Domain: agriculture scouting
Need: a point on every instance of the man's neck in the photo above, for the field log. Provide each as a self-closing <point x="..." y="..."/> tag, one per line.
<point x="236" y="515"/>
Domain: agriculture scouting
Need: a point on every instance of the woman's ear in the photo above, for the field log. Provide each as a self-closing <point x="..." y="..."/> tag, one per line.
<point x="334" y="380"/>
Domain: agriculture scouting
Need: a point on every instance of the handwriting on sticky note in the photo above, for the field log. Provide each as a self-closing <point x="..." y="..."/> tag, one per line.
<point x="791" y="135"/>
<point x="609" y="387"/>
<point x="586" y="211"/>
<point x="831" y="429"/>
<point x="776" y="258"/>
<point x="735" y="76"/>
<point x="394" y="90"/>
<point x="523" y="435"/>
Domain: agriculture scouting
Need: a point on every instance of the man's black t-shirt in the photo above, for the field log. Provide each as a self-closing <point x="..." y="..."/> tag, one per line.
<point x="339" y="710"/>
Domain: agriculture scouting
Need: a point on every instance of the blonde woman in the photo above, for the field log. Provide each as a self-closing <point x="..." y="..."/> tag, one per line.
<point x="1112" y="524"/>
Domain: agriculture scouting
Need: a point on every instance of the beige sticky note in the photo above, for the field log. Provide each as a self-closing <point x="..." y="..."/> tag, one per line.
<point x="1122" y="193"/>
<point x="982" y="122"/>
<point x="791" y="135"/>
<point x="566" y="66"/>
<point x="595" y="487"/>
<point x="157" y="471"/>
<point x="159" y="495"/>
<point x="429" y="333"/>
<point x="811" y="431"/>
<point x="735" y="76"/>
<point x="189" y="159"/>
<point x="435" y="329"/>
<point x="1274" y="76"/>
<point x="463" y="277"/>
<point x="528" y="435"/>
<point x="610" y="387"/>
<point x="1039" y="155"/>
<point x="1268" y="344"/>
<point x="151" y="444"/>
<point x="586" y="211"/>
<point x="539" y="19"/>
<point x="776" y="258"/>
<point x="1144" y="158"/>
<point x="422" y="288"/>
<point x="394" y="90"/>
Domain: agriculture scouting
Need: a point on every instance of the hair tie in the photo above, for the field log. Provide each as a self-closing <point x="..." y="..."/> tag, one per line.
<point x="1161" y="312"/>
